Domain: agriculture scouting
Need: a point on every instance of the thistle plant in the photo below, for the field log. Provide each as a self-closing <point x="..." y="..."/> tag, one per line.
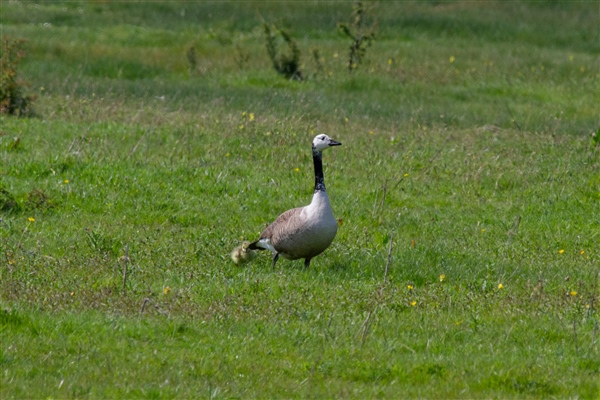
<point x="287" y="63"/>
<point x="12" y="99"/>
<point x="361" y="36"/>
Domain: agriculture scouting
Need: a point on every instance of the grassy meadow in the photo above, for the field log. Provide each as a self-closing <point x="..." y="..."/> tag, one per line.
<point x="467" y="189"/>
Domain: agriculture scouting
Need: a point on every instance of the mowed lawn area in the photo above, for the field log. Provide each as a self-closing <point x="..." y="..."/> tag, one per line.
<point x="467" y="193"/>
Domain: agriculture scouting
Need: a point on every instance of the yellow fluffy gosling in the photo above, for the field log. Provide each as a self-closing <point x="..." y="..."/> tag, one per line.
<point x="242" y="254"/>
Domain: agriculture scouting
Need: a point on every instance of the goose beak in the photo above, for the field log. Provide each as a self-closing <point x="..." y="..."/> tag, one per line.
<point x="334" y="143"/>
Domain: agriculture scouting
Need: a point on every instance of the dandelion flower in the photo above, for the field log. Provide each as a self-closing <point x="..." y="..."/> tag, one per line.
<point x="371" y="132"/>
<point x="406" y="175"/>
<point x="442" y="277"/>
<point x="413" y="303"/>
<point x="66" y="181"/>
<point x="452" y="59"/>
<point x="227" y="155"/>
<point x="390" y="61"/>
<point x="251" y="117"/>
<point x="410" y="287"/>
<point x="297" y="169"/>
<point x="582" y="252"/>
<point x="561" y="251"/>
<point x="573" y="293"/>
<point x="31" y="219"/>
<point x="244" y="114"/>
<point x="500" y="286"/>
<point x="167" y="290"/>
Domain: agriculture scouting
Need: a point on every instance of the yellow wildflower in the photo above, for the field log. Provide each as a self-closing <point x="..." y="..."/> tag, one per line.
<point x="452" y="59"/>
<point x="297" y="169"/>
<point x="500" y="286"/>
<point x="573" y="293"/>
<point x="582" y="252"/>
<point x="167" y="290"/>
<point x="66" y="181"/>
<point x="251" y="117"/>
<point x="413" y="303"/>
<point x="561" y="251"/>
<point x="406" y="175"/>
<point x="442" y="277"/>
<point x="410" y="287"/>
<point x="31" y="219"/>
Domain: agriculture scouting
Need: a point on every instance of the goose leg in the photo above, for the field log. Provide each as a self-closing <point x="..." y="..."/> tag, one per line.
<point x="275" y="257"/>
<point x="306" y="263"/>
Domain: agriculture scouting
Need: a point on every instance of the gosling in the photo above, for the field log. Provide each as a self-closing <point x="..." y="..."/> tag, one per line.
<point x="242" y="254"/>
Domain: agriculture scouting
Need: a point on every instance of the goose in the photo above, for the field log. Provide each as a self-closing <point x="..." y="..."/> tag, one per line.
<point x="242" y="254"/>
<point x="303" y="232"/>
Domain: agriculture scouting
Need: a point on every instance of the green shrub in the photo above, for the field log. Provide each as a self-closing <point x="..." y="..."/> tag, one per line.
<point x="286" y="64"/>
<point x="12" y="99"/>
<point x="361" y="35"/>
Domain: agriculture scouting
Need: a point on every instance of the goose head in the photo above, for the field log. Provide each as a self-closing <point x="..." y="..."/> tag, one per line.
<point x="322" y="142"/>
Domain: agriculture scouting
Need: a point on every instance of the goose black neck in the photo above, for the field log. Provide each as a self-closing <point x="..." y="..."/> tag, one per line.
<point x="319" y="179"/>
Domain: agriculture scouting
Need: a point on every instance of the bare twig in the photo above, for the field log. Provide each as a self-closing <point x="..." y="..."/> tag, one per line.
<point x="389" y="257"/>
<point x="384" y="191"/>
<point x="366" y="326"/>
<point x="575" y="336"/>
<point x="125" y="263"/>
<point x="375" y="204"/>
<point x="379" y="208"/>
<point x="513" y="230"/>
<point x="513" y="117"/>
<point x="79" y="139"/>
<point x="146" y="301"/>
<point x="138" y="143"/>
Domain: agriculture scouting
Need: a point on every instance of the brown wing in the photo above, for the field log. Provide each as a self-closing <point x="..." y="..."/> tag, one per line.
<point x="281" y="221"/>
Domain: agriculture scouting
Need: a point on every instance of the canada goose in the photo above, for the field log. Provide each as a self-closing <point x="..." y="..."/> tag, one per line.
<point x="303" y="232"/>
<point x="242" y="254"/>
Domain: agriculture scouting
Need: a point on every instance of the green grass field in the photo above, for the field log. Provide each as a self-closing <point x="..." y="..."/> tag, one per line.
<point x="467" y="163"/>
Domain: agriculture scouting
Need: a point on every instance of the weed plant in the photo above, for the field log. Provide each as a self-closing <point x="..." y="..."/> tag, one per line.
<point x="467" y="192"/>
<point x="361" y="36"/>
<point x="286" y="64"/>
<point x="13" y="100"/>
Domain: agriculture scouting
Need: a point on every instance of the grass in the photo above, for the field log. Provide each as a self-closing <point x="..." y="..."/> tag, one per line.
<point x="466" y="155"/>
